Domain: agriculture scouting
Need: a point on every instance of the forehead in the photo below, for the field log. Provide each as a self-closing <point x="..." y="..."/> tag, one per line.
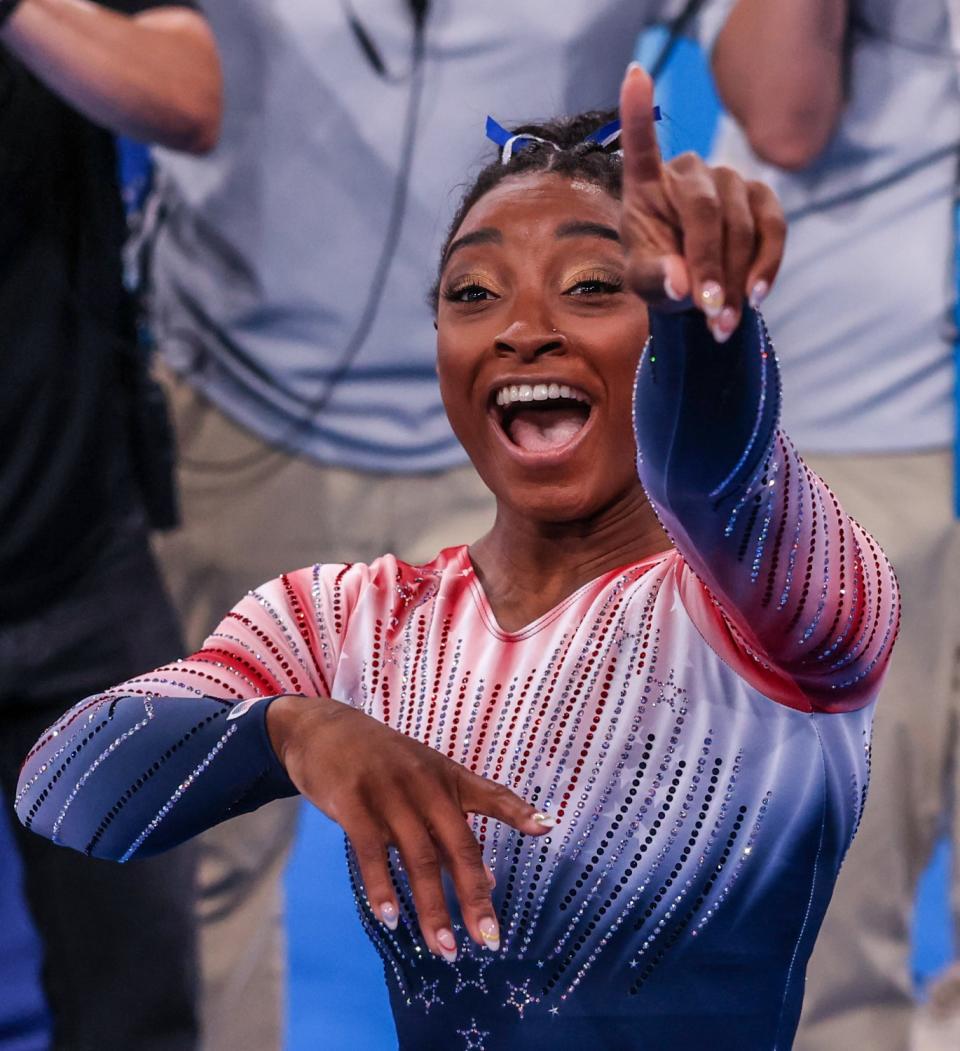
<point x="525" y="205"/>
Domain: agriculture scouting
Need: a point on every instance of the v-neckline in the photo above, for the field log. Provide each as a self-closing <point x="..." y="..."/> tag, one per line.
<point x="489" y="618"/>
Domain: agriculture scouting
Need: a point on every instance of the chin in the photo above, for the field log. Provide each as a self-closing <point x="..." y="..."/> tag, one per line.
<point x="547" y="503"/>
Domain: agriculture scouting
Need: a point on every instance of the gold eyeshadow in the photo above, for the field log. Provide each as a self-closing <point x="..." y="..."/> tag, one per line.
<point x="599" y="275"/>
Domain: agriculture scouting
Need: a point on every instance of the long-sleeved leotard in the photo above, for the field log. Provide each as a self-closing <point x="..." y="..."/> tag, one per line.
<point x="697" y="721"/>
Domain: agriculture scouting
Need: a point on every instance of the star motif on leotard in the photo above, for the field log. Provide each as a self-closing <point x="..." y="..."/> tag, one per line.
<point x="554" y="1010"/>
<point x="519" y="996"/>
<point x="474" y="1037"/>
<point x="622" y="636"/>
<point x="463" y="977"/>
<point x="669" y="693"/>
<point x="428" y="994"/>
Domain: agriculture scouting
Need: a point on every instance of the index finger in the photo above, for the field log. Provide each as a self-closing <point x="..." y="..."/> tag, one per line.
<point x="478" y="795"/>
<point x="641" y="153"/>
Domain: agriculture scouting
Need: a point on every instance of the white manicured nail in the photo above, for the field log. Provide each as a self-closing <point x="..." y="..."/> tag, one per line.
<point x="389" y="915"/>
<point x="711" y="299"/>
<point x="758" y="293"/>
<point x="448" y="944"/>
<point x="490" y="933"/>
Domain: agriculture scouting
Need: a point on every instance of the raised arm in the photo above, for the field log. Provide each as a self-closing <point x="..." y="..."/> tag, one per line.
<point x="153" y="75"/>
<point x="779" y="69"/>
<point x="802" y="594"/>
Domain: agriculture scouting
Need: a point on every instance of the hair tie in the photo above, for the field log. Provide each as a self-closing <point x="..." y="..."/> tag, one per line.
<point x="510" y="143"/>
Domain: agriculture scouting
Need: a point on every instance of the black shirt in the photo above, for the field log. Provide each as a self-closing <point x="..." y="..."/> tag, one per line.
<point x="66" y="325"/>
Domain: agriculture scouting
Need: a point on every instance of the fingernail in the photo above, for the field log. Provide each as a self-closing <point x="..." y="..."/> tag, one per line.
<point x="448" y="944"/>
<point x="758" y="293"/>
<point x="719" y="336"/>
<point x="634" y="67"/>
<point x="490" y="933"/>
<point x="389" y="915"/>
<point x="727" y="322"/>
<point x="544" y="820"/>
<point x="724" y="326"/>
<point x="711" y="299"/>
<point x="669" y="290"/>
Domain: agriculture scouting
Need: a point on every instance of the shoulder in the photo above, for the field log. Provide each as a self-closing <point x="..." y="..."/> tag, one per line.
<point x="340" y="586"/>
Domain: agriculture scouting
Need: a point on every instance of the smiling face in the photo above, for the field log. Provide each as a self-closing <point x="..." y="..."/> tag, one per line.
<point x="538" y="345"/>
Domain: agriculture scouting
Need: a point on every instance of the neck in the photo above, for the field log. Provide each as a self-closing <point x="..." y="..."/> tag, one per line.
<point x="527" y="566"/>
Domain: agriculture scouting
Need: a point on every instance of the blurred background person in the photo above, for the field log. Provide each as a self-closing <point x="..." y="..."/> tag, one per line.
<point x="850" y="110"/>
<point x="289" y="274"/>
<point x="117" y="943"/>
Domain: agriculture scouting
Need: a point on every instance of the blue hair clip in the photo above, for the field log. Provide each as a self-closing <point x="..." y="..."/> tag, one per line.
<point x="509" y="143"/>
<point x="606" y="134"/>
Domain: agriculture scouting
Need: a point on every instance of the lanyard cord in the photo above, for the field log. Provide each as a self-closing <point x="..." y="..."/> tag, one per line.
<point x="286" y="443"/>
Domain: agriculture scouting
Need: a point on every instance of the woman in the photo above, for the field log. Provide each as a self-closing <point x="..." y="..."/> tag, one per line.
<point x="685" y="727"/>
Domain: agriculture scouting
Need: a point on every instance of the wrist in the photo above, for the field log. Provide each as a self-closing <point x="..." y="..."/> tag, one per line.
<point x="287" y="717"/>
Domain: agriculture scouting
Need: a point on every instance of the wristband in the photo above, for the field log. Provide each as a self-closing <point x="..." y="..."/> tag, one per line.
<point x="7" y="7"/>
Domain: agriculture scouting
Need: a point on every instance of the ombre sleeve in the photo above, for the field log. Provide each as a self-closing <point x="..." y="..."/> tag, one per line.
<point x="151" y="762"/>
<point x="784" y="583"/>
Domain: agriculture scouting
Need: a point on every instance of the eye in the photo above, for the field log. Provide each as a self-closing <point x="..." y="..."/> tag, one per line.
<point x="468" y="292"/>
<point x="600" y="284"/>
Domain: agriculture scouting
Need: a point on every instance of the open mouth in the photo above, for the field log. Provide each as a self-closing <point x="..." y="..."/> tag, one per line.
<point x="542" y="417"/>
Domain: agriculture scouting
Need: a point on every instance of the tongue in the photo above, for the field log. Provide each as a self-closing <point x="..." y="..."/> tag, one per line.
<point x="538" y="430"/>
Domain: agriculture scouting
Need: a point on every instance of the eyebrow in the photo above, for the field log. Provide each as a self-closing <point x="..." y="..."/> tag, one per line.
<point x="487" y="235"/>
<point x="491" y="235"/>
<point x="584" y="229"/>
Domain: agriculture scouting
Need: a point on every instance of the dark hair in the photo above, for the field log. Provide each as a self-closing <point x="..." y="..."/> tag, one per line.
<point x="586" y="160"/>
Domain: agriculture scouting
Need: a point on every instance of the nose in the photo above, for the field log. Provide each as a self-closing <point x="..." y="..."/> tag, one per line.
<point x="529" y="341"/>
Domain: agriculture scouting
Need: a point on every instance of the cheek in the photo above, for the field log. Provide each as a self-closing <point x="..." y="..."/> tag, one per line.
<point x="619" y="367"/>
<point x="453" y="374"/>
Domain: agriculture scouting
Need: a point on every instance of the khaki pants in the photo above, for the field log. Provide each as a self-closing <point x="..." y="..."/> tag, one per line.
<point x="258" y="514"/>
<point x="859" y="990"/>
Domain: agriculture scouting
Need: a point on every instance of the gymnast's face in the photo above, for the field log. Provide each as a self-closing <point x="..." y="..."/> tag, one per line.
<point x="537" y="347"/>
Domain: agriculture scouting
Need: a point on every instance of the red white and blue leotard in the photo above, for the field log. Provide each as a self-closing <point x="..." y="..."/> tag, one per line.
<point x="699" y="723"/>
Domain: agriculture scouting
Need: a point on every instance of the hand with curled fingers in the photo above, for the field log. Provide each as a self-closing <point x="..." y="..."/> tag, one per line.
<point x="386" y="789"/>
<point x="693" y="234"/>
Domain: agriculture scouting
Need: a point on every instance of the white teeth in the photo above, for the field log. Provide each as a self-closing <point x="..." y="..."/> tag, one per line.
<point x="538" y="392"/>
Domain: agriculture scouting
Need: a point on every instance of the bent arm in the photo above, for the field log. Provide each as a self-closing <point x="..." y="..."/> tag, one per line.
<point x="805" y="593"/>
<point x="127" y="775"/>
<point x="779" y="68"/>
<point x="154" y="76"/>
<point x="155" y="760"/>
